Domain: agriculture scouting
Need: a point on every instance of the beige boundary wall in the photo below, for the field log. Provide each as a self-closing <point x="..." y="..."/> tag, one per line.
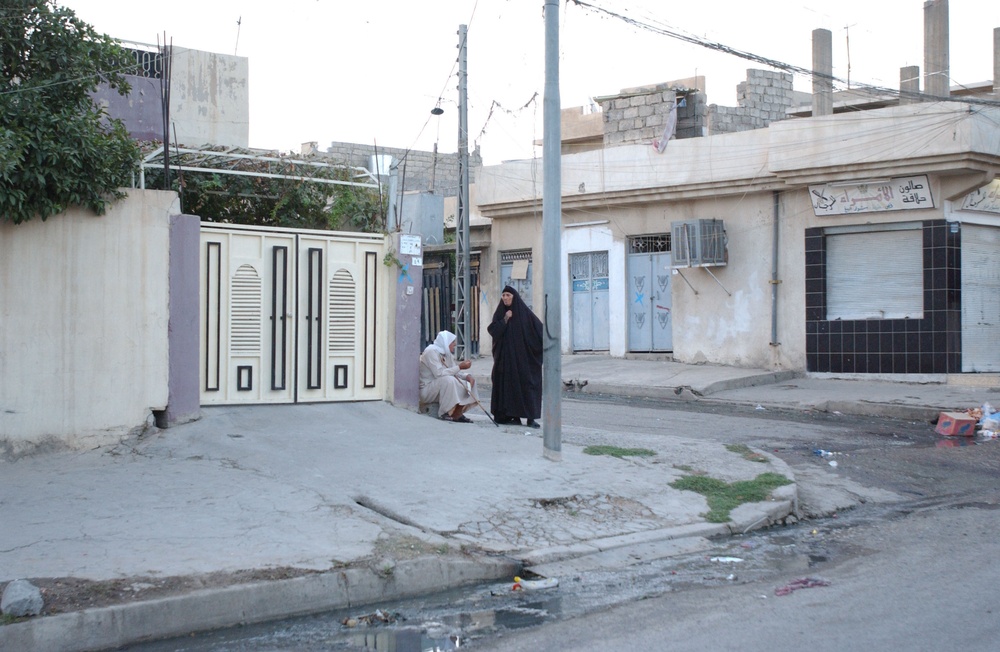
<point x="84" y="324"/>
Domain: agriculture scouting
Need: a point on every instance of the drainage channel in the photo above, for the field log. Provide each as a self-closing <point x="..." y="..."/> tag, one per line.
<point x="452" y="619"/>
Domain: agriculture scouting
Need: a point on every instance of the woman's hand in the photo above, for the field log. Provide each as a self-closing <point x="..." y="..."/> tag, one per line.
<point x="464" y="364"/>
<point x="508" y="315"/>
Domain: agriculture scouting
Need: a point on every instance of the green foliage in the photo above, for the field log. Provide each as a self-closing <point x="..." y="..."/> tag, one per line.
<point x="57" y="148"/>
<point x="723" y="497"/>
<point x="747" y="453"/>
<point x="269" y="201"/>
<point x="617" y="451"/>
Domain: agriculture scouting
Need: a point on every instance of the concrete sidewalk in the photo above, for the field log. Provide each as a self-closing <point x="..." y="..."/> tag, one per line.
<point x="916" y="397"/>
<point x="378" y="502"/>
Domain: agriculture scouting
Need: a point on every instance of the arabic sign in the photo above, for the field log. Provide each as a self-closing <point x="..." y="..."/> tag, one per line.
<point x="409" y="244"/>
<point x="898" y="194"/>
<point x="986" y="199"/>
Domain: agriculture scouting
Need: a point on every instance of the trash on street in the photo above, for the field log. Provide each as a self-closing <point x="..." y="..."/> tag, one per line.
<point x="801" y="583"/>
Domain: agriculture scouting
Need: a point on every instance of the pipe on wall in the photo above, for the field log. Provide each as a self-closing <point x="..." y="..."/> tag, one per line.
<point x="774" y="273"/>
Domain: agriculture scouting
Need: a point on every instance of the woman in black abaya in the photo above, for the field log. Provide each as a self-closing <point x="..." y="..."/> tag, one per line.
<point x="517" y="361"/>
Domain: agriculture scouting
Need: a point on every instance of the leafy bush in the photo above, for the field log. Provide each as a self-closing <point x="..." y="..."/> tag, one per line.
<point x="57" y="147"/>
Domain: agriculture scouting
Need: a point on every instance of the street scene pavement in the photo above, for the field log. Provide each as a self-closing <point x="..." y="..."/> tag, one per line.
<point x="256" y="513"/>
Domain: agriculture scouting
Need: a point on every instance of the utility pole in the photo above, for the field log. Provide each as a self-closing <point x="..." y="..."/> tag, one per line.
<point x="463" y="307"/>
<point x="552" y="241"/>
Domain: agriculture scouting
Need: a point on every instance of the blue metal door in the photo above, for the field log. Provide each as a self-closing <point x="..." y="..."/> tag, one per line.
<point x="650" y="326"/>
<point x="591" y="316"/>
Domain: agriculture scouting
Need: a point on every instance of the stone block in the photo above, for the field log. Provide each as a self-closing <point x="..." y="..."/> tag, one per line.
<point x="21" y="598"/>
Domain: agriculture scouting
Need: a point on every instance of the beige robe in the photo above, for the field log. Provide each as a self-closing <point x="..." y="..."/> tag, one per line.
<point x="442" y="382"/>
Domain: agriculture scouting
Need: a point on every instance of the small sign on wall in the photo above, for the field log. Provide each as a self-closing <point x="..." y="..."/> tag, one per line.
<point x="897" y="194"/>
<point x="985" y="199"/>
<point x="409" y="245"/>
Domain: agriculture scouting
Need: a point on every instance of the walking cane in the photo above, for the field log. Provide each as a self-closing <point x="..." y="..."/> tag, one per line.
<point x="473" y="395"/>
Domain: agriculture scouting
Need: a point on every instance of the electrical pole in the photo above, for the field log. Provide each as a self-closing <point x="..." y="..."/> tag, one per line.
<point x="463" y="307"/>
<point x="552" y="241"/>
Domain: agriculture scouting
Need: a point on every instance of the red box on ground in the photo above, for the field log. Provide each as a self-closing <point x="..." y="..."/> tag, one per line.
<point x="956" y="424"/>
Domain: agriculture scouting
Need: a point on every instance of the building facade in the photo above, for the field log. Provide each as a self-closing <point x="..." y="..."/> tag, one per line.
<point x="850" y="243"/>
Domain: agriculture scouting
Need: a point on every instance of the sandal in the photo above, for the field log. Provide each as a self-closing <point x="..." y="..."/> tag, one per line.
<point x="446" y="417"/>
<point x="462" y="419"/>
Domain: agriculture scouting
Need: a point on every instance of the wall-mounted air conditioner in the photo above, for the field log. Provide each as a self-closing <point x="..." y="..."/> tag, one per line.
<point x="698" y="243"/>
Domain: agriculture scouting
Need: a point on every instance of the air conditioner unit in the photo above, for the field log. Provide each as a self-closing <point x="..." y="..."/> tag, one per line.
<point x="698" y="243"/>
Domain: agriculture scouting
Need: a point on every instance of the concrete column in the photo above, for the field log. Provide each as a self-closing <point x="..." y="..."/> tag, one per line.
<point x="909" y="84"/>
<point x="404" y="310"/>
<point x="937" y="80"/>
<point x="996" y="59"/>
<point x="822" y="94"/>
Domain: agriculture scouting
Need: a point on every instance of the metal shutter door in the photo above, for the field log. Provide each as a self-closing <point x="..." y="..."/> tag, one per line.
<point x="980" y="298"/>
<point x="875" y="275"/>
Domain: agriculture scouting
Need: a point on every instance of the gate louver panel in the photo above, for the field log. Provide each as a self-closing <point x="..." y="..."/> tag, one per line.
<point x="244" y="327"/>
<point x="343" y="307"/>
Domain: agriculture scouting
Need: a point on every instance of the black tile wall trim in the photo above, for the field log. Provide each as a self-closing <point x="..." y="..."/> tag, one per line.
<point x="932" y="345"/>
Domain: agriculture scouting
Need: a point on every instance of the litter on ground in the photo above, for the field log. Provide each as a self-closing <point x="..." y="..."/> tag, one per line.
<point x="801" y="583"/>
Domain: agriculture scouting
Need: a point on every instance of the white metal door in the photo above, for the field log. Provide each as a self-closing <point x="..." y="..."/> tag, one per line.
<point x="591" y="316"/>
<point x="290" y="316"/>
<point x="980" y="299"/>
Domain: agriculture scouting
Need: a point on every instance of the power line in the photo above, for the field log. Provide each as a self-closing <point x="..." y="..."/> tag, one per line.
<point x="774" y="63"/>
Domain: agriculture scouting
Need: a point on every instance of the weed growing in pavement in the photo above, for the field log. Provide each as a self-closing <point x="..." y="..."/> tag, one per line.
<point x="619" y="452"/>
<point x="7" y="619"/>
<point x="723" y="497"/>
<point x="744" y="450"/>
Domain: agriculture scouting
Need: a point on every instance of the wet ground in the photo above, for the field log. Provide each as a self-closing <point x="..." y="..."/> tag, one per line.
<point x="906" y="457"/>
<point x="457" y="619"/>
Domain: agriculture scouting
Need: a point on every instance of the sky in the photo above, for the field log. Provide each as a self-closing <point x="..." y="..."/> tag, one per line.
<point x="370" y="72"/>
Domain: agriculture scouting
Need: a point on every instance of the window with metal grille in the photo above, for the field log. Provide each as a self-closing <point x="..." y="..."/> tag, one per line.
<point x="650" y="244"/>
<point x="342" y="312"/>
<point x="245" y="303"/>
<point x="148" y="63"/>
<point x="511" y="256"/>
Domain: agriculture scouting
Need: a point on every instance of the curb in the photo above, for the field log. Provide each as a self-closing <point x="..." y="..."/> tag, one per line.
<point x="112" y="627"/>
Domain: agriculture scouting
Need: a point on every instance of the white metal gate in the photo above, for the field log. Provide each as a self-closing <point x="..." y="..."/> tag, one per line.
<point x="980" y="299"/>
<point x="291" y="316"/>
<point x="591" y="311"/>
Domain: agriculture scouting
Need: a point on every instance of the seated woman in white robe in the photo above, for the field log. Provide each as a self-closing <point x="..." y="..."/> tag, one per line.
<point x="442" y="380"/>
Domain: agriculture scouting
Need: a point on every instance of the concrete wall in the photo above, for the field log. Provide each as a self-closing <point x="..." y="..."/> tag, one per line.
<point x="762" y="99"/>
<point x="435" y="172"/>
<point x="209" y="100"/>
<point x="84" y="314"/>
<point x="639" y="115"/>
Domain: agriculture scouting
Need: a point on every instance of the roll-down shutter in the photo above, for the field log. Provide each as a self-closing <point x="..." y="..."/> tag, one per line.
<point x="875" y="275"/>
<point x="980" y="298"/>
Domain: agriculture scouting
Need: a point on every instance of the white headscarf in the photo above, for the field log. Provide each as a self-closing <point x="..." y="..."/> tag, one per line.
<point x="443" y="342"/>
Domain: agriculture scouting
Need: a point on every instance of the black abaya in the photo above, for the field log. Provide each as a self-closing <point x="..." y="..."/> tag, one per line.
<point x="517" y="361"/>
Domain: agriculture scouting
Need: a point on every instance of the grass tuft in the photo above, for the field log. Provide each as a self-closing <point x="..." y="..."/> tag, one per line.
<point x="617" y="451"/>
<point x="744" y="450"/>
<point x="723" y="497"/>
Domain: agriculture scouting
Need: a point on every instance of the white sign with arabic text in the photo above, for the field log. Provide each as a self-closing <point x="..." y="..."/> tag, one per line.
<point x="898" y="194"/>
